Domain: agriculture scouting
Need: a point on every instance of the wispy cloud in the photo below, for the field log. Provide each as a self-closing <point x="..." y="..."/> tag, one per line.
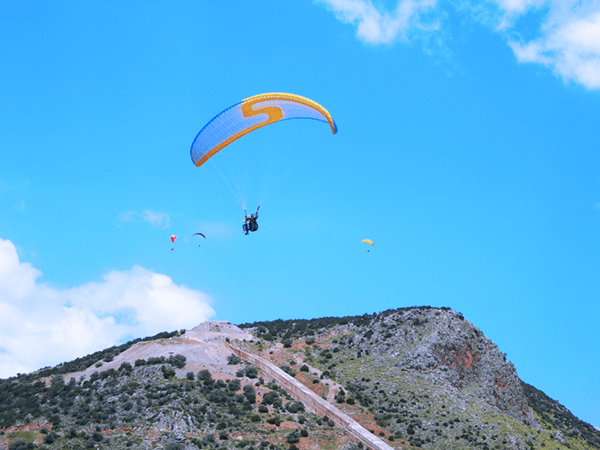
<point x="216" y="229"/>
<point x="377" y="26"/>
<point x="20" y="206"/>
<point x="157" y="219"/>
<point x="569" y="44"/>
<point x="41" y="325"/>
<point x="568" y="41"/>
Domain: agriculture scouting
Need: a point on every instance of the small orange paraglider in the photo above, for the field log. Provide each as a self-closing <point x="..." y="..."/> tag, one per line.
<point x="368" y="241"/>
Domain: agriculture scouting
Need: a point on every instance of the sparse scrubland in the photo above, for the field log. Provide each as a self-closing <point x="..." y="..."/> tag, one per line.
<point x="415" y="377"/>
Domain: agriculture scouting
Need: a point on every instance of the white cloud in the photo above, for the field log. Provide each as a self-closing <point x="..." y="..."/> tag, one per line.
<point x="41" y="325"/>
<point x="568" y="41"/>
<point x="377" y="26"/>
<point x="157" y="219"/>
<point x="214" y="230"/>
<point x="570" y="45"/>
<point x="128" y="216"/>
<point x="20" y="206"/>
<point x="514" y="7"/>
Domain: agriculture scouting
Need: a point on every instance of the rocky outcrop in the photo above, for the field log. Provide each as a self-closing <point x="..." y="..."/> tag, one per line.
<point x="451" y="349"/>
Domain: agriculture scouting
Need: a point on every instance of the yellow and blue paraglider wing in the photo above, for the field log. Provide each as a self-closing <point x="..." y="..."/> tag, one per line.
<point x="251" y="114"/>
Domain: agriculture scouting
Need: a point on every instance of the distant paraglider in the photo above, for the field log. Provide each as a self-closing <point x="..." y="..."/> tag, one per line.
<point x="199" y="234"/>
<point x="368" y="241"/>
<point x="173" y="237"/>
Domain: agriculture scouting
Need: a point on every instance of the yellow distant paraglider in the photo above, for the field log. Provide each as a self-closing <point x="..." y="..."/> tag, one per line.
<point x="368" y="241"/>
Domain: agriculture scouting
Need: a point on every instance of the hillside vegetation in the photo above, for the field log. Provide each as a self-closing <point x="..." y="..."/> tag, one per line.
<point x="431" y="377"/>
<point x="416" y="377"/>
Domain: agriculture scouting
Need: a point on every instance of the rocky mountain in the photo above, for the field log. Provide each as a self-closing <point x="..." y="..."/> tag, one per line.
<point x="407" y="378"/>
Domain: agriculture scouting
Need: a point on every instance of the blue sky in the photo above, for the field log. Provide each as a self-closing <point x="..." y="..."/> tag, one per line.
<point x="467" y="151"/>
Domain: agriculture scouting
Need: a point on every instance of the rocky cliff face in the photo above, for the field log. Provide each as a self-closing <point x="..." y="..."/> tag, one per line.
<point x="450" y="348"/>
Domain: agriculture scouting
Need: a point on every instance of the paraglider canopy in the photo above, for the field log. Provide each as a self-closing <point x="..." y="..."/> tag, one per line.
<point x="251" y="114"/>
<point x="198" y="234"/>
<point x="173" y="237"/>
<point x="368" y="241"/>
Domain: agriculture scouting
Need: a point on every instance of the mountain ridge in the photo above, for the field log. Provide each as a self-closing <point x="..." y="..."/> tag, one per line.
<point x="417" y="377"/>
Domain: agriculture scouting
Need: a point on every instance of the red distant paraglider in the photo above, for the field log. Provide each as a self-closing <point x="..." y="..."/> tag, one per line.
<point x="173" y="237"/>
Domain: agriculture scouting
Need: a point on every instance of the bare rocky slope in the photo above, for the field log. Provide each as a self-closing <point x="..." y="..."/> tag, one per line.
<point x="414" y="377"/>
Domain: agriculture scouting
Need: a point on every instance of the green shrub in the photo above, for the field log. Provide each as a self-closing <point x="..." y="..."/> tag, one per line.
<point x="174" y="446"/>
<point x="168" y="372"/>
<point x="274" y="420"/>
<point x="19" y="444"/>
<point x="294" y="407"/>
<point x="250" y="393"/>
<point x="204" y="375"/>
<point x="50" y="438"/>
<point x="125" y="366"/>
<point x="177" y="361"/>
<point x="97" y="436"/>
<point x="234" y="385"/>
<point x="233" y="360"/>
<point x="251" y="371"/>
<point x="287" y="369"/>
<point x="272" y="398"/>
<point x="293" y="437"/>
